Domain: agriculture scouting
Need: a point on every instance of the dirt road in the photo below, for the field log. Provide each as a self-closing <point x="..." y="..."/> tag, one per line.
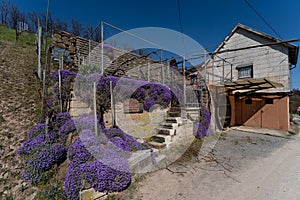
<point x="242" y="165"/>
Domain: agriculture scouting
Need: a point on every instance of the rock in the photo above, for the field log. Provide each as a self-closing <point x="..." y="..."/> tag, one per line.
<point x="4" y="175"/>
<point x="1" y="118"/>
<point x="91" y="194"/>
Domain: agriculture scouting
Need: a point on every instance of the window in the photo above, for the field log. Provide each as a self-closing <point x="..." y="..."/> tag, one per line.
<point x="245" y="71"/>
<point x="248" y="101"/>
<point x="269" y="101"/>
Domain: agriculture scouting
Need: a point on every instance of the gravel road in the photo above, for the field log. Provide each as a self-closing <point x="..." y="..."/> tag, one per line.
<point x="242" y="165"/>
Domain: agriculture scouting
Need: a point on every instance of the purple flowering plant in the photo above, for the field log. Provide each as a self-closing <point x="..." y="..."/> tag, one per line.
<point x="201" y="128"/>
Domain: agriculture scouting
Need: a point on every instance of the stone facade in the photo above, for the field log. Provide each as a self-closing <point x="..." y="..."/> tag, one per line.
<point x="270" y="62"/>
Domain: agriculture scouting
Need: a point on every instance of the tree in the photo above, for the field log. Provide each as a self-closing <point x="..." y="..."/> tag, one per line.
<point x="50" y="25"/>
<point x="22" y="19"/>
<point x="4" y="9"/>
<point x="97" y="35"/>
<point x="76" y="27"/>
<point x="88" y="31"/>
<point x="33" y="21"/>
<point x="14" y="16"/>
<point x="60" y="25"/>
<point x="46" y="23"/>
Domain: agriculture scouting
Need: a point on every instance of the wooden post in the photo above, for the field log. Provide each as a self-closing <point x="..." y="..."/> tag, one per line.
<point x="148" y="74"/>
<point x="184" y="81"/>
<point x="45" y="85"/>
<point x="95" y="109"/>
<point x="59" y="90"/>
<point x="102" y="48"/>
<point x="163" y="74"/>
<point x="113" y="114"/>
<point x="47" y="125"/>
<point x="168" y="73"/>
<point x="39" y="50"/>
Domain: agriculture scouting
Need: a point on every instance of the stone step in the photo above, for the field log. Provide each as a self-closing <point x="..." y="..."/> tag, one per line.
<point x="165" y="131"/>
<point x="191" y="109"/>
<point x="175" y="109"/>
<point x="174" y="114"/>
<point x="162" y="139"/>
<point x="177" y="120"/>
<point x="157" y="145"/>
<point x="169" y="125"/>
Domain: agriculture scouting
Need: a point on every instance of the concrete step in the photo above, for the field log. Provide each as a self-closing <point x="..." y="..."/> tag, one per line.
<point x="165" y="131"/>
<point x="175" y="109"/>
<point x="169" y="125"/>
<point x="174" y="114"/>
<point x="177" y="120"/>
<point x="157" y="145"/>
<point x="161" y="139"/>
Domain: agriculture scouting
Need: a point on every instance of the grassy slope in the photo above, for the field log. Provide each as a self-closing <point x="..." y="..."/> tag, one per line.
<point x="18" y="108"/>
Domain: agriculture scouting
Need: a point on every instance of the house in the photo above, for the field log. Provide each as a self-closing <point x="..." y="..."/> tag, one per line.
<point x="252" y="71"/>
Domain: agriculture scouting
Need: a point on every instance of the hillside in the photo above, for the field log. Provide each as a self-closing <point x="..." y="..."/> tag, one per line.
<point x="18" y="108"/>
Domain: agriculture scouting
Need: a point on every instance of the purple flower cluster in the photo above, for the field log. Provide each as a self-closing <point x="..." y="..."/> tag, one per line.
<point x="146" y="93"/>
<point x="32" y="143"/>
<point x="201" y="127"/>
<point x="42" y="151"/>
<point x="42" y="160"/>
<point x="73" y="182"/>
<point x="37" y="129"/>
<point x="127" y="142"/>
<point x="153" y="93"/>
<point x="104" y="178"/>
<point x="47" y="157"/>
<point x="66" y="75"/>
<point x="66" y="129"/>
<point x="60" y="119"/>
<point x="109" y="172"/>
<point x="78" y="153"/>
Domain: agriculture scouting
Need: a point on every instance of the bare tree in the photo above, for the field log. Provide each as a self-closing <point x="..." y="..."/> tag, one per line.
<point x="50" y="25"/>
<point x="60" y="24"/>
<point x="4" y="9"/>
<point x="14" y="16"/>
<point x="33" y="21"/>
<point x="97" y="35"/>
<point x="76" y="27"/>
<point x="88" y="31"/>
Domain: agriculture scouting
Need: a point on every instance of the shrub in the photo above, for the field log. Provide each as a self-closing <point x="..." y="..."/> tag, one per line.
<point x="201" y="127"/>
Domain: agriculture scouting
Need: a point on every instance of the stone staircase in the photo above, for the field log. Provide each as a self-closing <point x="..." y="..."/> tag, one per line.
<point x="166" y="130"/>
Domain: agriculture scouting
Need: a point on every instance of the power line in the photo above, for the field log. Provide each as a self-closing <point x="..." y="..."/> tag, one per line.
<point x="262" y="18"/>
<point x="256" y="46"/>
<point x="179" y="15"/>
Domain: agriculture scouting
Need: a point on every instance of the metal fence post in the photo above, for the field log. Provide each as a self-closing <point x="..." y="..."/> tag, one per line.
<point x="102" y="48"/>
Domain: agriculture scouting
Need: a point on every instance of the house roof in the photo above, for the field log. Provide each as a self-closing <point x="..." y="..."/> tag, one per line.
<point x="252" y="84"/>
<point x="293" y="50"/>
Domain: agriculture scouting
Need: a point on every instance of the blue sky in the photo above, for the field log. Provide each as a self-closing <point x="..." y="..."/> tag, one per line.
<point x="208" y="22"/>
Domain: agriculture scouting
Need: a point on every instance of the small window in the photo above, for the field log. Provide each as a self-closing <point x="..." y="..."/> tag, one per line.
<point x="269" y="101"/>
<point x="245" y="71"/>
<point x="248" y="101"/>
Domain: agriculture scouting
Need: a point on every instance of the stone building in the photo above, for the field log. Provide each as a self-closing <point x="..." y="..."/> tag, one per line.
<point x="253" y="69"/>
